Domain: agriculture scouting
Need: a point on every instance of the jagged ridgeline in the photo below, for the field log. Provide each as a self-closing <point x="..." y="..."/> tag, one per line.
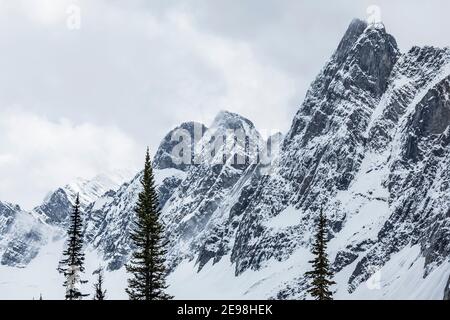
<point x="369" y="145"/>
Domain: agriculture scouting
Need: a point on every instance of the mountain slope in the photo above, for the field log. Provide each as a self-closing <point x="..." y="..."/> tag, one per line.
<point x="24" y="233"/>
<point x="196" y="214"/>
<point x="57" y="206"/>
<point x="109" y="218"/>
<point x="370" y="146"/>
<point x="322" y="151"/>
<point x="21" y="235"/>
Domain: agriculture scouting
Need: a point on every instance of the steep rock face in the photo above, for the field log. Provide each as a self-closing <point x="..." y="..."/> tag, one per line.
<point x="109" y="218"/>
<point x="21" y="235"/>
<point x="7" y="213"/>
<point x="197" y="214"/>
<point x="402" y="180"/>
<point x="165" y="157"/>
<point x="405" y="136"/>
<point x="194" y="200"/>
<point x="414" y="74"/>
<point x="56" y="207"/>
<point x="399" y="195"/>
<point x="108" y="223"/>
<point x="372" y="131"/>
<point x="323" y="150"/>
<point x="418" y="183"/>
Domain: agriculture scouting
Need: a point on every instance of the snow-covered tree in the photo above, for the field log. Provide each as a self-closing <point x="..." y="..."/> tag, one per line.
<point x="72" y="265"/>
<point x="100" y="293"/>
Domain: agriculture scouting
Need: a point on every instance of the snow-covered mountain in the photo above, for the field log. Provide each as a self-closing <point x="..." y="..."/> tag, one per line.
<point x="190" y="193"/>
<point x="369" y="145"/>
<point x="22" y="233"/>
<point x="58" y="204"/>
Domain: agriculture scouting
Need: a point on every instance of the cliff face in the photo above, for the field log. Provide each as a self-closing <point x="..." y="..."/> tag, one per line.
<point x="21" y="235"/>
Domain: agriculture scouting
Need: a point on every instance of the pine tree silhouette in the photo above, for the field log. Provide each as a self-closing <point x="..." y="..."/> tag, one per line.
<point x="321" y="275"/>
<point x="100" y="294"/>
<point x="72" y="265"/>
<point x="147" y="265"/>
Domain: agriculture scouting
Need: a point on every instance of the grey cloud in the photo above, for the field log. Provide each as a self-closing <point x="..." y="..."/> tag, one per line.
<point x="146" y="66"/>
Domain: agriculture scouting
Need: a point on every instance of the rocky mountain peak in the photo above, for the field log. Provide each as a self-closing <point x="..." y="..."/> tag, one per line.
<point x="367" y="55"/>
<point x="357" y="74"/>
<point x="6" y="207"/>
<point x="166" y="157"/>
<point x="354" y="31"/>
<point x="229" y="120"/>
<point x="357" y="32"/>
<point x="229" y="136"/>
<point x="57" y="205"/>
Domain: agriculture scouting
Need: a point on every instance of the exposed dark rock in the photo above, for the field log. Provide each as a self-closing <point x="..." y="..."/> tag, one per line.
<point x="186" y="134"/>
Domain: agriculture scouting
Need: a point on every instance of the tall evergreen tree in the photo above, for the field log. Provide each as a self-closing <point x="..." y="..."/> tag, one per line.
<point x="147" y="266"/>
<point x="100" y="294"/>
<point x="72" y="265"/>
<point x="321" y="275"/>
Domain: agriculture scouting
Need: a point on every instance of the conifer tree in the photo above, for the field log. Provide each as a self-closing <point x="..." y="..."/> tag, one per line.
<point x="100" y="294"/>
<point x="321" y="275"/>
<point x="147" y="266"/>
<point x="72" y="265"/>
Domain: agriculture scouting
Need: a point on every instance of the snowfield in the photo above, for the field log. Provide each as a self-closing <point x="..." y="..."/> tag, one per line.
<point x="400" y="278"/>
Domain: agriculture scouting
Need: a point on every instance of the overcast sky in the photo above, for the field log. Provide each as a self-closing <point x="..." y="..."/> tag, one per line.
<point x="77" y="99"/>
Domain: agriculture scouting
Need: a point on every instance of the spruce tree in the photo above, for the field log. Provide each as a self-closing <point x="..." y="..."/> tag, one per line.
<point x="147" y="265"/>
<point x="100" y="294"/>
<point x="72" y="265"/>
<point x="321" y="275"/>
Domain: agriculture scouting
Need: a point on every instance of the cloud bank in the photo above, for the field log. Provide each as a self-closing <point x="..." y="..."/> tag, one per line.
<point x="38" y="155"/>
<point x="135" y="69"/>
